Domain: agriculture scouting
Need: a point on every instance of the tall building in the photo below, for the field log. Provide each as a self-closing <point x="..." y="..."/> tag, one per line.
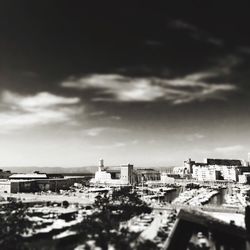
<point x="127" y="173"/>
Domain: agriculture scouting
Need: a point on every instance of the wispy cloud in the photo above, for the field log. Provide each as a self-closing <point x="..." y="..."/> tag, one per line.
<point x="196" y="32"/>
<point x="229" y="149"/>
<point x="194" y="137"/>
<point x="20" y="112"/>
<point x="119" y="88"/>
<point x="95" y="131"/>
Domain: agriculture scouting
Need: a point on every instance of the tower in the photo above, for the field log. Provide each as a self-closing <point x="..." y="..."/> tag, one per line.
<point x="127" y="173"/>
<point x="101" y="165"/>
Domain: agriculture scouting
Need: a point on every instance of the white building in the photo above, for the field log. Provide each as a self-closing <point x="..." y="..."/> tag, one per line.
<point x="215" y="169"/>
<point x="205" y="173"/>
<point x="182" y="171"/>
<point x="102" y="177"/>
<point x="244" y="178"/>
<point x="229" y="173"/>
<point x="5" y="186"/>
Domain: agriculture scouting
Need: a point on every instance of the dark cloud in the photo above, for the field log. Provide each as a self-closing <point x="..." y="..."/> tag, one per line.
<point x="60" y="38"/>
<point x="179" y="68"/>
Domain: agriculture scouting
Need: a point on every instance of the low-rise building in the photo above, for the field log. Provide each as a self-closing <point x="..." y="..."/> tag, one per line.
<point x="37" y="185"/>
<point x="32" y="176"/>
<point x="17" y="186"/>
<point x="5" y="186"/>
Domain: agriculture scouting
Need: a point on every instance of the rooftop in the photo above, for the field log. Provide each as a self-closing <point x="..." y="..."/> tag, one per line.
<point x="28" y="176"/>
<point x="224" y="162"/>
<point x="190" y="221"/>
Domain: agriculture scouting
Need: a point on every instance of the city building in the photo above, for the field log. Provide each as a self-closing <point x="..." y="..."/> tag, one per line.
<point x="205" y="173"/>
<point x="214" y="169"/>
<point x="37" y="182"/>
<point x="228" y="168"/>
<point x="104" y="175"/>
<point x="38" y="185"/>
<point x="229" y="173"/>
<point x="182" y="171"/>
<point x="115" y="172"/>
<point x="146" y="174"/>
<point x="127" y="173"/>
<point x="32" y="176"/>
<point x="17" y="186"/>
<point x="188" y="166"/>
<point x="244" y="178"/>
<point x="5" y="186"/>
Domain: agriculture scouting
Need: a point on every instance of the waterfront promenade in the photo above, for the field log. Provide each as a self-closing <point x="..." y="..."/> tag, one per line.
<point x="27" y="197"/>
<point x="205" y="208"/>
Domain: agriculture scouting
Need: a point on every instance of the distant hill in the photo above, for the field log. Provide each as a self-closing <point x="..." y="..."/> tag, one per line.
<point x="68" y="170"/>
<point x="54" y="170"/>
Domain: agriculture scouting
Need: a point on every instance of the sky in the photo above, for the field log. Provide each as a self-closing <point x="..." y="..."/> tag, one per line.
<point x="151" y="83"/>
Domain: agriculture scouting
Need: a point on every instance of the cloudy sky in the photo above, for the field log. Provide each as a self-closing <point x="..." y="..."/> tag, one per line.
<point x="147" y="83"/>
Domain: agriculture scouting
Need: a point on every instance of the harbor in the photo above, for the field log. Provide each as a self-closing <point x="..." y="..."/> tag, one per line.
<point x="216" y="198"/>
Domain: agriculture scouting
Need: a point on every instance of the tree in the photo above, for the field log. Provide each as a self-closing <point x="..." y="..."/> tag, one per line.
<point x="110" y="210"/>
<point x="14" y="223"/>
